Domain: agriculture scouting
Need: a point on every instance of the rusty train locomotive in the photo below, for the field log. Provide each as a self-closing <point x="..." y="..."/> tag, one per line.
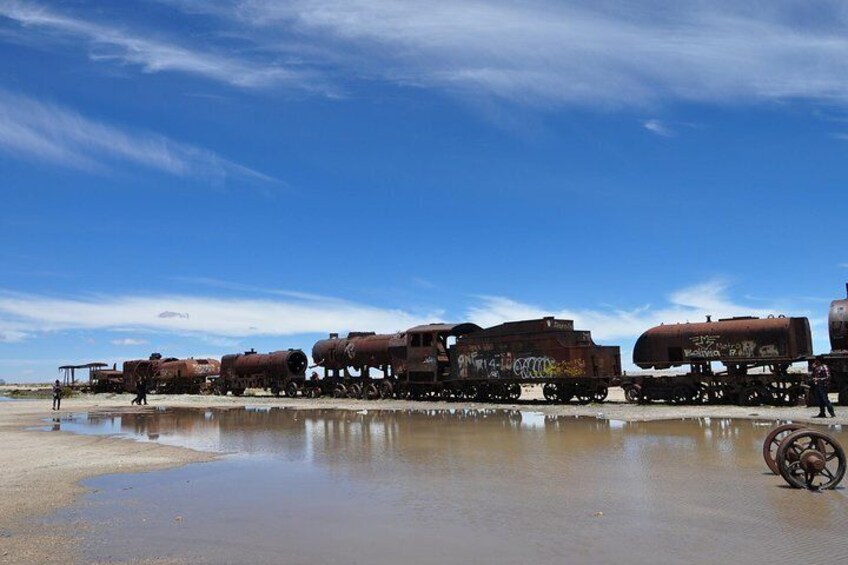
<point x="162" y="375"/>
<point x="742" y="360"/>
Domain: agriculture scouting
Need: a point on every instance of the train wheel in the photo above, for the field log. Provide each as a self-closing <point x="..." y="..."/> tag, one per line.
<point x="633" y="394"/>
<point x="752" y="396"/>
<point x="354" y="390"/>
<point x="811" y="459"/>
<point x="601" y="394"/>
<point x="372" y="392"/>
<point x="387" y="389"/>
<point x="314" y="392"/>
<point x="275" y="390"/>
<point x="772" y="443"/>
<point x="238" y="391"/>
<point x="446" y="393"/>
<point x="291" y="389"/>
<point x="340" y="391"/>
<point x="550" y="392"/>
<point x="514" y="391"/>
<point x="482" y="393"/>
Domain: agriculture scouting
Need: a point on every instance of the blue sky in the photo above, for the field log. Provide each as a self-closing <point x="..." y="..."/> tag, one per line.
<point x="197" y="178"/>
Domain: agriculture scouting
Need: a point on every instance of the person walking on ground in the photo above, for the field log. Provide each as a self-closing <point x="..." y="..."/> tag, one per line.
<point x="140" y="393"/>
<point x="820" y="381"/>
<point x="57" y="395"/>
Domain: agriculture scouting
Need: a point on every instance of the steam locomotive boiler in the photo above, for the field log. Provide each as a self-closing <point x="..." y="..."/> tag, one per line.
<point x="495" y="362"/>
<point x="742" y="345"/>
<point x="360" y="351"/>
<point x="278" y="371"/>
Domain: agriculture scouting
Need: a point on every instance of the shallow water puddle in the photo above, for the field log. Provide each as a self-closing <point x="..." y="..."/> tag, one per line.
<point x="450" y="486"/>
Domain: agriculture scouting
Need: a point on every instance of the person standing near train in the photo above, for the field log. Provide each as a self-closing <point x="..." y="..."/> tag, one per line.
<point x="820" y="381"/>
<point x="57" y="395"/>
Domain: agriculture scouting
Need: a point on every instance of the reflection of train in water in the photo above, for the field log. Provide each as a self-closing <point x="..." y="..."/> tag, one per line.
<point x="743" y="360"/>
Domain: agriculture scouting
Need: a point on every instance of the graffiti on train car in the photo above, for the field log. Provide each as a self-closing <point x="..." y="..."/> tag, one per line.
<point x="505" y="365"/>
<point x="711" y="347"/>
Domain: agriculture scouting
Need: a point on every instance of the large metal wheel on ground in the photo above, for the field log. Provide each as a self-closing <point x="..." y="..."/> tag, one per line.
<point x="773" y="441"/>
<point x="291" y="389"/>
<point x="811" y="459"/>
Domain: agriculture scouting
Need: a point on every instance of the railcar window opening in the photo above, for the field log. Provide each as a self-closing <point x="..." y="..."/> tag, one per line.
<point x="450" y="341"/>
<point x="416" y="340"/>
<point x="427" y="340"/>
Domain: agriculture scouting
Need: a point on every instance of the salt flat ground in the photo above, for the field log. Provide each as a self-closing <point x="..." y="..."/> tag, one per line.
<point x="42" y="471"/>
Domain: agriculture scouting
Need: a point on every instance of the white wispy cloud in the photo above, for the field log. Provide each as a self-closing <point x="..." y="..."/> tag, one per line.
<point x="12" y="336"/>
<point x="129" y="341"/>
<point x="47" y="132"/>
<point x="657" y="127"/>
<point x="222" y="317"/>
<point x="569" y="52"/>
<point x="691" y="304"/>
<point x="114" y="43"/>
<point x="543" y="53"/>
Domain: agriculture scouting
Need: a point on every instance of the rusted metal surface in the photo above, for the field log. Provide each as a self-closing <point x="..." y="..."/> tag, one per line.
<point x="534" y="350"/>
<point x="548" y="351"/>
<point x="175" y="369"/>
<point x="420" y="354"/>
<point x="837" y="322"/>
<point x="106" y="380"/>
<point x="169" y="375"/>
<point x="772" y="442"/>
<point x="811" y="459"/>
<point x="358" y="350"/>
<point x="278" y="371"/>
<point x="734" y="341"/>
<point x="136" y="370"/>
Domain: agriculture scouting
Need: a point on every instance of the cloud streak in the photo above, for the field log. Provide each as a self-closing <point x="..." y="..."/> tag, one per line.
<point x="599" y="54"/>
<point x="114" y="44"/>
<point x="223" y="317"/>
<point x="580" y="52"/>
<point x="46" y="132"/>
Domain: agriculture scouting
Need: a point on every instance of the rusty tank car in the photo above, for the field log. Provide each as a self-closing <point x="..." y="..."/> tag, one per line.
<point x="837" y="359"/>
<point x="185" y="375"/>
<point x="741" y="344"/>
<point x="278" y="371"/>
<point x="495" y="362"/>
<point x="360" y="352"/>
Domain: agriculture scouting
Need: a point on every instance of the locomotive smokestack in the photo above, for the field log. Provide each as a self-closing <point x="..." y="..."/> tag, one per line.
<point x="709" y="318"/>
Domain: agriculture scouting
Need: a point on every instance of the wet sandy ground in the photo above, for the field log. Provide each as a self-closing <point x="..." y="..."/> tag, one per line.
<point x="42" y="473"/>
<point x="460" y="486"/>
